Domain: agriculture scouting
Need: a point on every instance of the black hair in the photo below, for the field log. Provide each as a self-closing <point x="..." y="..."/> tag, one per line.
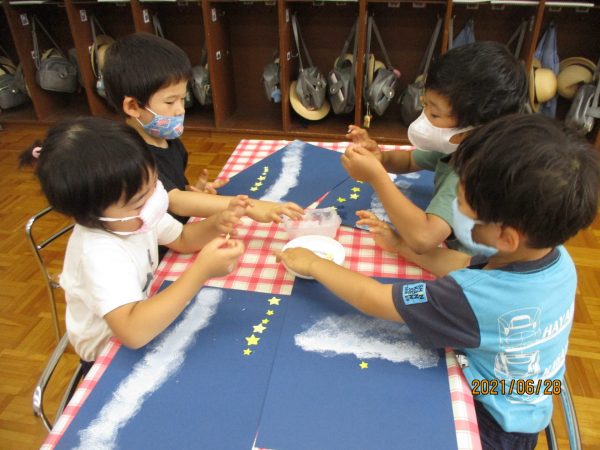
<point x="482" y="81"/>
<point x="530" y="173"/>
<point x="140" y="64"/>
<point x="87" y="164"/>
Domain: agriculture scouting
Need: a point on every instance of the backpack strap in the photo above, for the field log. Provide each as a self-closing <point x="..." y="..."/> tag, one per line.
<point x="519" y="36"/>
<point x="93" y="24"/>
<point x="353" y="35"/>
<point x="300" y="42"/>
<point x="386" y="58"/>
<point x="368" y="51"/>
<point x="427" y="57"/>
<point x="157" y="27"/>
<point x="36" y="46"/>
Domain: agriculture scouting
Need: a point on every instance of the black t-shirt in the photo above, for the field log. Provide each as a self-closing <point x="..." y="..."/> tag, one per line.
<point x="171" y="163"/>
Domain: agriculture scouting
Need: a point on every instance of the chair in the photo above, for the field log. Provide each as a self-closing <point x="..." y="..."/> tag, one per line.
<point x="37" y="246"/>
<point x="570" y="419"/>
<point x="51" y="280"/>
<point x="40" y="387"/>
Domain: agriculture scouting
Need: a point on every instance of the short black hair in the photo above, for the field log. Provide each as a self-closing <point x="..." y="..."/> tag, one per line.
<point x="87" y="164"/>
<point x="140" y="64"/>
<point x="482" y="81"/>
<point x="531" y="173"/>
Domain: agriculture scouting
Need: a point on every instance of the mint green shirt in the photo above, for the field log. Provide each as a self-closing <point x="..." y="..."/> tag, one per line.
<point x="445" y="182"/>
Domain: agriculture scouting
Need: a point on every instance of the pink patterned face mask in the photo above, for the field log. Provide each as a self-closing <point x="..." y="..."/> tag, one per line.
<point x="151" y="213"/>
<point x="166" y="127"/>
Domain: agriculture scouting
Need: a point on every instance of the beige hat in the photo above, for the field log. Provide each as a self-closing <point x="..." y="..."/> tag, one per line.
<point x="573" y="73"/>
<point x="542" y="85"/>
<point x="315" y="114"/>
<point x="103" y="42"/>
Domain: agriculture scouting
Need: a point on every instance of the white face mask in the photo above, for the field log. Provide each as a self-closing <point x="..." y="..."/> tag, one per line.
<point x="425" y="136"/>
<point x="151" y="213"/>
<point x="462" y="226"/>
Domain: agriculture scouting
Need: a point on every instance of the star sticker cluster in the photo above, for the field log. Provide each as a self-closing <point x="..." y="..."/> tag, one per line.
<point x="259" y="181"/>
<point x="354" y="194"/>
<point x="257" y="330"/>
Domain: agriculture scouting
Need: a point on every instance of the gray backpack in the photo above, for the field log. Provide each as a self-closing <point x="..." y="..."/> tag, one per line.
<point x="340" y="80"/>
<point x="311" y="85"/>
<point x="410" y="99"/>
<point x="585" y="107"/>
<point x="201" y="80"/>
<point x="270" y="79"/>
<point x="381" y="90"/>
<point x="54" y="72"/>
<point x="10" y="93"/>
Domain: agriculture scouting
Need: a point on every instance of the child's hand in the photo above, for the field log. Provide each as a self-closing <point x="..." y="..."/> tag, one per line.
<point x="228" y="219"/>
<point x="263" y="211"/>
<point x="298" y="259"/>
<point x="220" y="256"/>
<point x="203" y="185"/>
<point x="362" y="165"/>
<point x="381" y="232"/>
<point x="361" y="137"/>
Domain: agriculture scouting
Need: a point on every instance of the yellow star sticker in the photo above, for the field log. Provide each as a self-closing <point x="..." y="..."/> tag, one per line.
<point x="364" y="365"/>
<point x="270" y="312"/>
<point x="265" y="321"/>
<point x="254" y="189"/>
<point x="266" y="169"/>
<point x="258" y="183"/>
<point x="252" y="340"/>
<point x="355" y="189"/>
<point x="247" y="352"/>
<point x="274" y="301"/>
<point x="262" y="178"/>
<point x="259" y="328"/>
<point x="341" y="199"/>
<point x="354" y="196"/>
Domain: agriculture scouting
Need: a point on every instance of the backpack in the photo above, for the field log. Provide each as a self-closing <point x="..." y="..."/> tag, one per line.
<point x="54" y="72"/>
<point x="381" y="90"/>
<point x="201" y="80"/>
<point x="10" y="94"/>
<point x="585" y="107"/>
<point x="340" y="80"/>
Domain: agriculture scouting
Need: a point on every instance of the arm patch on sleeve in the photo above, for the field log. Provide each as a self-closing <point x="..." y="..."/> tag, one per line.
<point x="414" y="293"/>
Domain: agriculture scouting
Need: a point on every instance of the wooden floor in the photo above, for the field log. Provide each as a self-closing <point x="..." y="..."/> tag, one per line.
<point x="26" y="336"/>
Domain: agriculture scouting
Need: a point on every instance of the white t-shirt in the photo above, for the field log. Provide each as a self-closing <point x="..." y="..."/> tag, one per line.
<point x="104" y="271"/>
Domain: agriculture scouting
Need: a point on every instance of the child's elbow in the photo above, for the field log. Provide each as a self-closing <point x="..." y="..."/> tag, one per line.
<point x="133" y="342"/>
<point x="422" y="243"/>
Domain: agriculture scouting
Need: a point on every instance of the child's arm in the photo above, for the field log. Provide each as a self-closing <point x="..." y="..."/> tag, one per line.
<point x="135" y="324"/>
<point x="392" y="161"/>
<point x="438" y="261"/>
<point x="421" y="231"/>
<point x="202" y="204"/>
<point x="196" y="234"/>
<point x="364" y="293"/>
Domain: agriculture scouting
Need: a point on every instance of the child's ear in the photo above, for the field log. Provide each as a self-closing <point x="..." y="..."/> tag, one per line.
<point x="131" y="107"/>
<point x="509" y="239"/>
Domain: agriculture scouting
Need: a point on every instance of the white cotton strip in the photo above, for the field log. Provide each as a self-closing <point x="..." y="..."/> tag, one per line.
<point x="366" y="338"/>
<point x="150" y="373"/>
<point x="290" y="171"/>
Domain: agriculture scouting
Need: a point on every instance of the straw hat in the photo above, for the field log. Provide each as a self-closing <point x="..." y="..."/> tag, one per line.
<point x="542" y="85"/>
<point x="316" y="114"/>
<point x="103" y="42"/>
<point x="573" y="73"/>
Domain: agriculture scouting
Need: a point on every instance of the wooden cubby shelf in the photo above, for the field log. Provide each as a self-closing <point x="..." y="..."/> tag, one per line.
<point x="241" y="37"/>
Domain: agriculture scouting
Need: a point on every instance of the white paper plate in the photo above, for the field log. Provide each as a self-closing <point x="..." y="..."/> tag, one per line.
<point x="323" y="246"/>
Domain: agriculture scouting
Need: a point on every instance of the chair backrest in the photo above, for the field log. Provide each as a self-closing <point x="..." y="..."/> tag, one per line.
<point x="38" y="244"/>
<point x="570" y="420"/>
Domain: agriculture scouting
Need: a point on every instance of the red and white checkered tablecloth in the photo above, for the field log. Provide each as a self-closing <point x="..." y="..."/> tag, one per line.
<point x="259" y="272"/>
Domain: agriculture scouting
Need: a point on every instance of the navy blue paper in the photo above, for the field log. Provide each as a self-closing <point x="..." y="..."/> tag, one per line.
<point x="317" y="401"/>
<point x="351" y="196"/>
<point x="214" y="400"/>
<point x="298" y="172"/>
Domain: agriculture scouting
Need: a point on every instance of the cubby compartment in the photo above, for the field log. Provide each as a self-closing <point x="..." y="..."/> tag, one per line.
<point x="577" y="35"/>
<point x="324" y="27"/>
<point x="24" y="112"/>
<point x="400" y="24"/>
<point x="49" y="106"/>
<point x="181" y="23"/>
<point x="242" y="39"/>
